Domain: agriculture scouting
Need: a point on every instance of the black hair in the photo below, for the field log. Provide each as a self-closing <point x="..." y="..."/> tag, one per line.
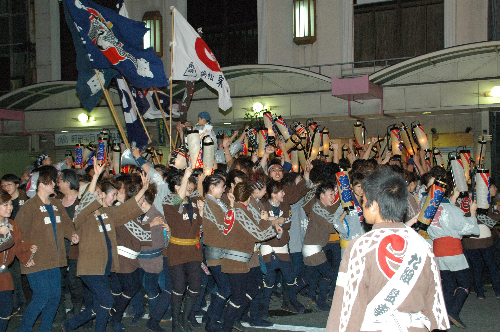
<point x="11" y="178"/>
<point x="150" y="194"/>
<point x="273" y="187"/>
<point x="289" y="178"/>
<point x="388" y="189"/>
<point x="132" y="186"/>
<point x="174" y="179"/>
<point x="344" y="164"/>
<point x="212" y="180"/>
<point x="317" y="172"/>
<point x="68" y="175"/>
<point x="108" y="185"/>
<point x="324" y="187"/>
<point x="330" y="170"/>
<point x="232" y="175"/>
<point x="274" y="161"/>
<point x="244" y="162"/>
<point x="356" y="178"/>
<point x="46" y="175"/>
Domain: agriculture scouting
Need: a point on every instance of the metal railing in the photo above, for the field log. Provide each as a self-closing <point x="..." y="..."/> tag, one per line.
<point x="353" y="69"/>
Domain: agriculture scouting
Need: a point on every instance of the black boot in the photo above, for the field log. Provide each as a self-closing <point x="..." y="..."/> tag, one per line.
<point x="176" y="314"/>
<point x="458" y="302"/>
<point x="188" y="305"/>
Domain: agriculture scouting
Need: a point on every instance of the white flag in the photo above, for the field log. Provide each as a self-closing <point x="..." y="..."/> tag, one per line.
<point x="193" y="59"/>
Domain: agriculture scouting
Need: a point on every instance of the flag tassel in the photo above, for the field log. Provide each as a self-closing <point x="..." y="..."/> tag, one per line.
<point x="113" y="111"/>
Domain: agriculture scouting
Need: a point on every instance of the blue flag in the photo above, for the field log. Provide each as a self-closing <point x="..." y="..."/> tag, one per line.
<point x="135" y="131"/>
<point x="88" y="85"/>
<point x="114" y="41"/>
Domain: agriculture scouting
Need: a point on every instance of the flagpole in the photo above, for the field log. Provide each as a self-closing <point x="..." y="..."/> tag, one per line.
<point x="113" y="112"/>
<point x="134" y="105"/>
<point x="171" y="72"/>
<point x="163" y="113"/>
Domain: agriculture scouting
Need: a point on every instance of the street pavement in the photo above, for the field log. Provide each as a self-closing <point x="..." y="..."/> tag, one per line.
<point x="478" y="315"/>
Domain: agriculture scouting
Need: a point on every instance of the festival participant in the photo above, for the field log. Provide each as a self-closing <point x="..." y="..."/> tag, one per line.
<point x="44" y="222"/>
<point x="151" y="261"/>
<point x="11" y="245"/>
<point x="322" y="222"/>
<point x="69" y="185"/>
<point x="388" y="279"/>
<point x="184" y="254"/>
<point x="44" y="160"/>
<point x="10" y="183"/>
<point x="98" y="257"/>
<point x="214" y="212"/>
<point x="479" y="248"/>
<point x="446" y="231"/>
<point x="129" y="239"/>
<point x="275" y="252"/>
<point x="241" y="232"/>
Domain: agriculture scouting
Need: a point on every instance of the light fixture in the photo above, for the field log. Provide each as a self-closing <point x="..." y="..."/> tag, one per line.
<point x="83" y="117"/>
<point x="425" y="113"/>
<point x="495" y="91"/>
<point x="64" y="131"/>
<point x="91" y="118"/>
<point x="227" y="123"/>
<point x="257" y="107"/>
<point x="304" y="21"/>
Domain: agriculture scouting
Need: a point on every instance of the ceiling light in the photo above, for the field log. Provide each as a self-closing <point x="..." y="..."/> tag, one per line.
<point x="495" y="91"/>
<point x="426" y="112"/>
<point x="83" y="117"/>
<point x="258" y="107"/>
<point x="227" y="122"/>
<point x="64" y="131"/>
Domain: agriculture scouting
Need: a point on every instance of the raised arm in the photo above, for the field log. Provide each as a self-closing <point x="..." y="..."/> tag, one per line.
<point x="182" y="192"/>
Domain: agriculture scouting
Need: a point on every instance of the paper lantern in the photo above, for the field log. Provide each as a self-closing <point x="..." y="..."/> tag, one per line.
<point x="208" y="155"/>
<point x="421" y="137"/>
<point x="294" y="158"/>
<point x="359" y="134"/>
<point x="483" y="189"/>
<point x="396" y="144"/>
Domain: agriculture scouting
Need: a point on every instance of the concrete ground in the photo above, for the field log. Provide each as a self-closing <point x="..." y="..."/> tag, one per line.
<point x="479" y="315"/>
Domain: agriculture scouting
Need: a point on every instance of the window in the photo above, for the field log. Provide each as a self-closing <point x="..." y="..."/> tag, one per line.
<point x="304" y="21"/>
<point x="154" y="37"/>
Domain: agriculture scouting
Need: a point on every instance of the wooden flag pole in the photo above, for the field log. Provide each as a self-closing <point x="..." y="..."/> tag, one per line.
<point x="155" y="156"/>
<point x="113" y="111"/>
<point x="163" y="115"/>
<point x="172" y="44"/>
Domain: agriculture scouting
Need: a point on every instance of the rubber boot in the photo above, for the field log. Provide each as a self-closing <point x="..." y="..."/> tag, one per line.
<point x="176" y="314"/>
<point x="458" y="302"/>
<point x="188" y="306"/>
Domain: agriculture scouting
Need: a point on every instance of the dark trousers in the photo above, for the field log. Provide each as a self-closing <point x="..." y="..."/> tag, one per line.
<point x="456" y="285"/>
<point x="475" y="258"/>
<point x="46" y="286"/>
<point x="275" y="265"/>
<point x="102" y="300"/>
<point x="130" y="284"/>
<point x="333" y="255"/>
<point x="75" y="284"/>
<point x="5" y="309"/>
<point x="220" y="296"/>
<point x="327" y="277"/>
<point x="243" y="290"/>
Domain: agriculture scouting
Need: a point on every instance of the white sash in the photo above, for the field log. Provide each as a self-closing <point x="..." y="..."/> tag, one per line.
<point x="310" y="249"/>
<point x="266" y="249"/>
<point x="127" y="252"/>
<point x="381" y="313"/>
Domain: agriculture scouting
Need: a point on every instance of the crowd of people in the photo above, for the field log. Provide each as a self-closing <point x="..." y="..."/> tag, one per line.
<point x="233" y="239"/>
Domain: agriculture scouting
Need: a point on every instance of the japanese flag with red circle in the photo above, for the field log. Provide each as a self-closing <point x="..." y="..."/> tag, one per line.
<point x="193" y="59"/>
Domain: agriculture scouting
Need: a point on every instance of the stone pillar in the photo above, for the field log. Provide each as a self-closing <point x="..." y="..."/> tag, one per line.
<point x="48" y="49"/>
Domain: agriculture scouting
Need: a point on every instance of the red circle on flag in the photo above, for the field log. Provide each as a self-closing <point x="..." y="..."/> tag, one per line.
<point x="206" y="55"/>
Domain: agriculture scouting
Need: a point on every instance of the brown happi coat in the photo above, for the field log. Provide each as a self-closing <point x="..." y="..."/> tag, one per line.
<point x="153" y="265"/>
<point x="242" y="236"/>
<point x="213" y="225"/>
<point x="34" y="223"/>
<point x="319" y="228"/>
<point x="183" y="228"/>
<point x="20" y="249"/>
<point x="285" y="212"/>
<point x="132" y="235"/>
<point x="93" y="251"/>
